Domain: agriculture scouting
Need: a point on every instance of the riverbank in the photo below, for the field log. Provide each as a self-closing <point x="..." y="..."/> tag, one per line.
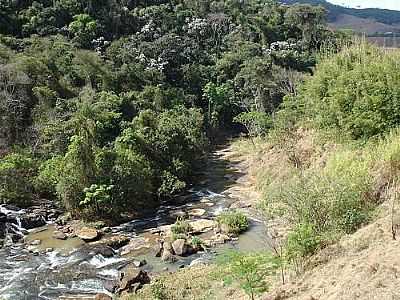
<point x="361" y="264"/>
<point x="40" y="261"/>
<point x="201" y="281"/>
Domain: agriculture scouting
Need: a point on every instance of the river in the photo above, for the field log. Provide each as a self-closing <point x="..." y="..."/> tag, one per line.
<point x="72" y="269"/>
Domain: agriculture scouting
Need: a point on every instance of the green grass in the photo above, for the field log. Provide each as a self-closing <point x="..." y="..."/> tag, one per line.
<point x="234" y="221"/>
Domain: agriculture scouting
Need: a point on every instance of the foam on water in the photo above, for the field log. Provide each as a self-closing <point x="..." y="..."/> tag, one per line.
<point x="99" y="261"/>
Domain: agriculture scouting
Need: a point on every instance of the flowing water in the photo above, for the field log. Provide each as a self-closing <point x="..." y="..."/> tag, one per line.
<point x="72" y="268"/>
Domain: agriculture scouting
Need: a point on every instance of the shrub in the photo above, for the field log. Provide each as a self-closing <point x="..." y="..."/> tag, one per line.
<point x="98" y="199"/>
<point x="249" y="270"/>
<point x="159" y="290"/>
<point x="181" y="227"/>
<point x="256" y="123"/>
<point x="17" y="172"/>
<point x="197" y="242"/>
<point x="236" y="222"/>
<point x="302" y="241"/>
<point x="355" y="91"/>
<point x="49" y="175"/>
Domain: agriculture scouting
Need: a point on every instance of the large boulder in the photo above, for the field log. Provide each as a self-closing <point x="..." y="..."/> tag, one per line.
<point x="167" y="246"/>
<point x="202" y="225"/>
<point x="113" y="241"/>
<point x="157" y="250"/>
<point x="3" y="220"/>
<point x="180" y="247"/>
<point x="132" y="278"/>
<point x="168" y="256"/>
<point x="87" y="234"/>
<point x="135" y="245"/>
<point x="31" y="220"/>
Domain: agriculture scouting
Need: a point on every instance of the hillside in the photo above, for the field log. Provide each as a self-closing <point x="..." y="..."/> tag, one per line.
<point x="371" y="21"/>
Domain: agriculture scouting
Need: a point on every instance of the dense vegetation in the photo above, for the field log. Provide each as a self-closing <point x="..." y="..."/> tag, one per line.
<point x="333" y="150"/>
<point x="109" y="106"/>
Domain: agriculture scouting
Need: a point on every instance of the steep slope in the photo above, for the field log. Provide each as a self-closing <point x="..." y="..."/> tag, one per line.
<point x="369" y="21"/>
<point x="367" y="26"/>
<point x="364" y="265"/>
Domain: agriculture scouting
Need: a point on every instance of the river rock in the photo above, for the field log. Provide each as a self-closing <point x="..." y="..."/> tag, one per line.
<point x="3" y="220"/>
<point x="33" y="220"/>
<point x="220" y="238"/>
<point x="240" y="204"/>
<point x="199" y="262"/>
<point x="104" y="250"/>
<point x="35" y="242"/>
<point x="197" y="212"/>
<point x="166" y="230"/>
<point x="168" y="256"/>
<point x="167" y="246"/>
<point x="114" y="241"/>
<point x="87" y="234"/>
<point x="203" y="225"/>
<point x="111" y="285"/>
<point x="59" y="235"/>
<point x="134" y="245"/>
<point x="180" y="247"/>
<point x="102" y="297"/>
<point x="158" y="249"/>
<point x="132" y="279"/>
<point x="139" y="263"/>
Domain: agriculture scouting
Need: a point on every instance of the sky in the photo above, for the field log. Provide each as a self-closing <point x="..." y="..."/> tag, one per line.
<point x="388" y="4"/>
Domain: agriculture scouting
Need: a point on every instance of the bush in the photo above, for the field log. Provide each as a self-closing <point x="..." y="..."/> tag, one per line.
<point x="17" y="173"/>
<point x="236" y="222"/>
<point x="197" y="242"/>
<point x="49" y="175"/>
<point x="355" y="91"/>
<point x="98" y="199"/>
<point x="302" y="241"/>
<point x="256" y="123"/>
<point x="181" y="227"/>
<point x="249" y="270"/>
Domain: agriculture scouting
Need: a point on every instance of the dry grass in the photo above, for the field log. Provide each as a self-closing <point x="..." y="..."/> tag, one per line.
<point x="196" y="283"/>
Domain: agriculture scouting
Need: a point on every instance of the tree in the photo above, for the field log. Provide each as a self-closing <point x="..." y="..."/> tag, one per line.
<point x="308" y="19"/>
<point x="15" y="103"/>
<point x="249" y="270"/>
<point x="83" y="29"/>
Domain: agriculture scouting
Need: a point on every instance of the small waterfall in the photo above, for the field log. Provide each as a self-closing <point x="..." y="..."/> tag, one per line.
<point x="19" y="223"/>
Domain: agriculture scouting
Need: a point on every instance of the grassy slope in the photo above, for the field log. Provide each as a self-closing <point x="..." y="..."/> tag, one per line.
<point x="362" y="265"/>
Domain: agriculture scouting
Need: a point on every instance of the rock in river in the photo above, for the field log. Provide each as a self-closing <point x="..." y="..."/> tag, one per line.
<point x="197" y="212"/>
<point x="87" y="234"/>
<point x="132" y="279"/>
<point x="167" y="256"/>
<point x="180" y="247"/>
<point x="202" y="225"/>
<point x="113" y="241"/>
<point x="59" y="235"/>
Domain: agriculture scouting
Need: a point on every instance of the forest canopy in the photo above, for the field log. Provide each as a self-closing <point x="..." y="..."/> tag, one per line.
<point x="109" y="106"/>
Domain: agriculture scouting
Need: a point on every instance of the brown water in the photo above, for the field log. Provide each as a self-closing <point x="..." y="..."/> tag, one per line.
<point x="45" y="235"/>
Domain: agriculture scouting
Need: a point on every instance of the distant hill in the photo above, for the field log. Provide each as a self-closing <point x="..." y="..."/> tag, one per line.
<point x="372" y="21"/>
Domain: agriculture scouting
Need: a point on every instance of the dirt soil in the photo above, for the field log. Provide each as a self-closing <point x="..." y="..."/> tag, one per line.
<point x="364" y="265"/>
